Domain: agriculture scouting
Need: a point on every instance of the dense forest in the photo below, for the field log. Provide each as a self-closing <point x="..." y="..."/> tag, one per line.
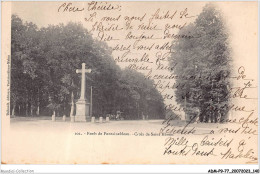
<point x="203" y="67"/>
<point x="44" y="78"/>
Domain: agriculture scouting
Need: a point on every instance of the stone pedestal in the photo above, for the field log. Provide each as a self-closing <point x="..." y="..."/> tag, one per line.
<point x="92" y="119"/>
<point x="64" y="118"/>
<point x="100" y="119"/>
<point x="82" y="110"/>
<point x="107" y="119"/>
<point x="53" y="118"/>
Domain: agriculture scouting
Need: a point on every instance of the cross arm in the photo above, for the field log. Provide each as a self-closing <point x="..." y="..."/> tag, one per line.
<point x="80" y="71"/>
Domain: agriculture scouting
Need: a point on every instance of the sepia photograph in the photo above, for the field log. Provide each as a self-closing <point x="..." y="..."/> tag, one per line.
<point x="118" y="82"/>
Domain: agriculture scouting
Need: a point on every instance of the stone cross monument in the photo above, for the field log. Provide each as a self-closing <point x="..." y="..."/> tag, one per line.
<point x="82" y="105"/>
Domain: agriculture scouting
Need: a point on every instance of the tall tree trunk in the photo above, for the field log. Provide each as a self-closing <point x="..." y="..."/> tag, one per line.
<point x="38" y="110"/>
<point x="64" y="108"/>
<point x="13" y="110"/>
<point x="38" y="103"/>
<point x="91" y="102"/>
<point x="26" y="106"/>
<point x="19" y="109"/>
<point x="26" y="103"/>
<point x="31" y="106"/>
<point x="31" y="110"/>
<point x="26" y="109"/>
<point x="72" y="104"/>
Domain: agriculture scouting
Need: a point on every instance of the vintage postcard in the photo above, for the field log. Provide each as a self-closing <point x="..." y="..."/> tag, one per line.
<point x="129" y="82"/>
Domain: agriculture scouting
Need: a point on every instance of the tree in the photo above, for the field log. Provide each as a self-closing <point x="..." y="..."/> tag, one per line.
<point x="137" y="96"/>
<point x="44" y="79"/>
<point x="203" y="64"/>
<point x="24" y="48"/>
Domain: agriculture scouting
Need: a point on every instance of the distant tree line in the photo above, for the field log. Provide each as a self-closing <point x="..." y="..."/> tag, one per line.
<point x="44" y="79"/>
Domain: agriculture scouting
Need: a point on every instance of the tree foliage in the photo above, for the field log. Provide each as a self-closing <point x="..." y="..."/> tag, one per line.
<point x="44" y="78"/>
<point x="203" y="64"/>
